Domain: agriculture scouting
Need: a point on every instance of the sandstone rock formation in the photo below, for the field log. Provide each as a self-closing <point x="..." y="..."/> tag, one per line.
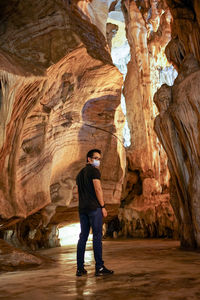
<point x="178" y="129"/>
<point x="12" y="258"/>
<point x="147" y="49"/>
<point x="177" y="125"/>
<point x="60" y="96"/>
<point x="145" y="197"/>
<point x="185" y="30"/>
<point x="49" y="122"/>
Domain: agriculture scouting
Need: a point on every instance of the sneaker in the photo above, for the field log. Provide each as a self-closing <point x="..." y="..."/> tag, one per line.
<point x="81" y="272"/>
<point x="103" y="271"/>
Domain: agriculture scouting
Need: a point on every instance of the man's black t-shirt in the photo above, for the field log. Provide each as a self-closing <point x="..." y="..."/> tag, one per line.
<point x="87" y="197"/>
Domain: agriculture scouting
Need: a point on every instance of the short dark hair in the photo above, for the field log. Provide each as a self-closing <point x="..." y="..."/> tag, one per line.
<point x="91" y="152"/>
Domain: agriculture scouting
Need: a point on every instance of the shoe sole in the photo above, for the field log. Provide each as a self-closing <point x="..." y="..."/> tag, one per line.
<point x="82" y="274"/>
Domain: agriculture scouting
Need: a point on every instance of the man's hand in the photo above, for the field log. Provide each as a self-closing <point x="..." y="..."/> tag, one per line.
<point x="104" y="212"/>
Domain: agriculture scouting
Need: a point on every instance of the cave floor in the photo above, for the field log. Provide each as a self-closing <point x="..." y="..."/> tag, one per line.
<point x="144" y="269"/>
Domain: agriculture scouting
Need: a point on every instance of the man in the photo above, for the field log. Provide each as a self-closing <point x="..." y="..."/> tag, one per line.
<point x="91" y="212"/>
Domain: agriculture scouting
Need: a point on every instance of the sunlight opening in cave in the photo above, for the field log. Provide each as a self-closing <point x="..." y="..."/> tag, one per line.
<point x="167" y="75"/>
<point x="69" y="235"/>
<point x="161" y="72"/>
<point x="120" y="53"/>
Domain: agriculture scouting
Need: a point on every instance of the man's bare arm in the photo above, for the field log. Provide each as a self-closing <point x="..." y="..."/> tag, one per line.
<point x="99" y="194"/>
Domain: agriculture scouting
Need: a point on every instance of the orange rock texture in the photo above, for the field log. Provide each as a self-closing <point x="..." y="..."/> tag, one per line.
<point x="177" y="125"/>
<point x="12" y="258"/>
<point x="59" y="99"/>
<point x="60" y="96"/>
<point x="146" y="210"/>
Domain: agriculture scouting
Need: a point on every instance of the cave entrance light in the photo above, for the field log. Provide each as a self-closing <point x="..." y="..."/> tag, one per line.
<point x="69" y="235"/>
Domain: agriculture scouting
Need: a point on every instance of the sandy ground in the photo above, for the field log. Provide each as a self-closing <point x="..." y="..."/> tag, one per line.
<point x="144" y="269"/>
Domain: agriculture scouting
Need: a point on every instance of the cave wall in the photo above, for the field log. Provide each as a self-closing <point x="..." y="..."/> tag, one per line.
<point x="177" y="125"/>
<point x="60" y="97"/>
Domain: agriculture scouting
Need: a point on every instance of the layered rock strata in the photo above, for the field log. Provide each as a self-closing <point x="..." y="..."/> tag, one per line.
<point x="50" y="121"/>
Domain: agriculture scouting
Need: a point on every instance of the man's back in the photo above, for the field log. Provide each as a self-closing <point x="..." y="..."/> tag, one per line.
<point x="87" y="197"/>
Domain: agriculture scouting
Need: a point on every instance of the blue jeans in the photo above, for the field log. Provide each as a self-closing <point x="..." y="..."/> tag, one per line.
<point x="87" y="220"/>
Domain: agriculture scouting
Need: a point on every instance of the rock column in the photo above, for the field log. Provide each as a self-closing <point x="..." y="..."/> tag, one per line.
<point x="177" y="125"/>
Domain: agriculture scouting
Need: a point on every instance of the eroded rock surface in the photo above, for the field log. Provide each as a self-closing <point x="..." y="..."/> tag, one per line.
<point x="146" y="210"/>
<point x="35" y="36"/>
<point x="177" y="126"/>
<point x="12" y="258"/>
<point x="49" y="122"/>
<point x="60" y="96"/>
<point x="185" y="31"/>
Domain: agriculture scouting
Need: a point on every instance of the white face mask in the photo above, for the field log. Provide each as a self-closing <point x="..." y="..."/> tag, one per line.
<point x="96" y="163"/>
